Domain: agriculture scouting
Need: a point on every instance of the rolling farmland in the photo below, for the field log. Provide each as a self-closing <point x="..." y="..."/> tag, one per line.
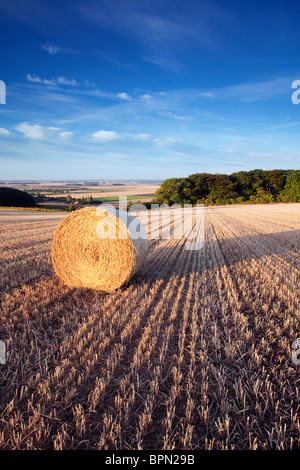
<point x="194" y="353"/>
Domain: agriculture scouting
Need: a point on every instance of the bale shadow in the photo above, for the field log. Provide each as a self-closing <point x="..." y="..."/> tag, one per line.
<point x="219" y="252"/>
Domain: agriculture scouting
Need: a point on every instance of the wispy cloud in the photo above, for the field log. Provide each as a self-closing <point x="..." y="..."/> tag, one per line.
<point x="33" y="131"/>
<point x="283" y="126"/>
<point x="165" y="141"/>
<point x="169" y="114"/>
<point x="60" y="80"/>
<point x="66" y="135"/>
<point x="164" y="61"/>
<point x="38" y="132"/>
<point x="53" y="49"/>
<point x="255" y="91"/>
<point x="105" y="136"/>
<point x="162" y="33"/>
<point x="143" y="136"/>
<point x="125" y="96"/>
<point x="4" y="132"/>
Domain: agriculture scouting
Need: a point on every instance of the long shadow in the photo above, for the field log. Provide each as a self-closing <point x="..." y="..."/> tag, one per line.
<point x="215" y="253"/>
<point x="220" y="252"/>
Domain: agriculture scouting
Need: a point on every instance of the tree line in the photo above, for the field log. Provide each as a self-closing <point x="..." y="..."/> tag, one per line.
<point x="11" y="197"/>
<point x="255" y="187"/>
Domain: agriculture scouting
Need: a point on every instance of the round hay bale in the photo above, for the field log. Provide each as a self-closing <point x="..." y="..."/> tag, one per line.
<point x="98" y="248"/>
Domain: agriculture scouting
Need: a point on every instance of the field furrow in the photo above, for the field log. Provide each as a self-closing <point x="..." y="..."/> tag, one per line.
<point x="193" y="353"/>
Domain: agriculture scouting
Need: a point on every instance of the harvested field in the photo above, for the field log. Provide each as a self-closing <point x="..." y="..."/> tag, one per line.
<point x="194" y="353"/>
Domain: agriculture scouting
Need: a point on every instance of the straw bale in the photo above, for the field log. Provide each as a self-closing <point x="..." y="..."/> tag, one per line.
<point x="95" y="248"/>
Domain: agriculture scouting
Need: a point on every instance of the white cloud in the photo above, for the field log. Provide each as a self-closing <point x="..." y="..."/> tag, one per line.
<point x="256" y="91"/>
<point x="32" y="131"/>
<point x="124" y="96"/>
<point x="4" y="132"/>
<point x="61" y="80"/>
<point x="38" y="132"/>
<point x="36" y="79"/>
<point x="145" y="96"/>
<point x="66" y="135"/>
<point x="175" y="116"/>
<point x="105" y="136"/>
<point x="66" y="81"/>
<point x="53" y="50"/>
<point x="207" y="94"/>
<point x="166" y="141"/>
<point x="143" y="136"/>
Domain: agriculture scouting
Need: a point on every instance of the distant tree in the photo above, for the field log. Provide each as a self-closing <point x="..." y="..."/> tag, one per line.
<point x="170" y="191"/>
<point x="244" y="184"/>
<point x="254" y="186"/>
<point x="71" y="208"/>
<point x="197" y="187"/>
<point x="258" y="179"/>
<point x="11" y="197"/>
<point x="222" y="191"/>
<point x="261" y="197"/>
<point x="292" y="187"/>
<point x="86" y="200"/>
<point x="275" y="181"/>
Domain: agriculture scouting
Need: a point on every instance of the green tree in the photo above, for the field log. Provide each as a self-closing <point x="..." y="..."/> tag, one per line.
<point x="261" y="197"/>
<point x="196" y="187"/>
<point x="15" y="198"/>
<point x="170" y="192"/>
<point x="249" y="184"/>
<point x="254" y="186"/>
<point x="244" y="184"/>
<point x="223" y="190"/>
<point x="275" y="181"/>
<point x="292" y="187"/>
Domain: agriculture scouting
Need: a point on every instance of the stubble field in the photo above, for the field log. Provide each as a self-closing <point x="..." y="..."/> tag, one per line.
<point x="194" y="353"/>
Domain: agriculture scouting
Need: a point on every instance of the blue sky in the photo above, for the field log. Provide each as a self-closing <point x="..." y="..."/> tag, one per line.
<point x="124" y="89"/>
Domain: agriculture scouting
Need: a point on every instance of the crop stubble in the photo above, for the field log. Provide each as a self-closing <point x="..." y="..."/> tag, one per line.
<point x="194" y="353"/>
